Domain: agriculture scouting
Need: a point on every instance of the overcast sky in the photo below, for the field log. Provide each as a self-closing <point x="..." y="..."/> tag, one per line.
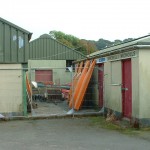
<point x="86" y="19"/>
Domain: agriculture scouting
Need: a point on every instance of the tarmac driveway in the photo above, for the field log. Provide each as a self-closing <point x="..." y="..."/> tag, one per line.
<point x="64" y="134"/>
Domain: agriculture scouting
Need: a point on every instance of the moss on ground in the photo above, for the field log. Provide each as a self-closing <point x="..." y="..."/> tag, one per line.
<point x="119" y="126"/>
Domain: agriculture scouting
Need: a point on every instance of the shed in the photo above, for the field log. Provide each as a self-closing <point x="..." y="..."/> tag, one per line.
<point x="124" y="79"/>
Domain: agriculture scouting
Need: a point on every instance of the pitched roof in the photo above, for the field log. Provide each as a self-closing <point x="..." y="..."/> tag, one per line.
<point x="144" y="40"/>
<point x="43" y="36"/>
<point x="17" y="27"/>
<point x="48" y="48"/>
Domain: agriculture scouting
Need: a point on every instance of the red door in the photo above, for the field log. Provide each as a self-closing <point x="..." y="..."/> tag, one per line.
<point x="126" y="88"/>
<point x="100" y="83"/>
<point x="43" y="75"/>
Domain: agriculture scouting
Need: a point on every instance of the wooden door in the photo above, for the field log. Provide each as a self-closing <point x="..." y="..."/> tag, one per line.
<point x="126" y="88"/>
<point x="100" y="83"/>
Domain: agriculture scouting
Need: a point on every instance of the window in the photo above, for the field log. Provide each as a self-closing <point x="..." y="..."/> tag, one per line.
<point x="69" y="63"/>
<point x="20" y="42"/>
<point x="115" y="72"/>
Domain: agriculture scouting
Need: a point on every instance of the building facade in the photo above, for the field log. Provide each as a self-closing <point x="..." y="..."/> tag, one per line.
<point x="124" y="79"/>
<point x="48" y="54"/>
<point x="14" y="53"/>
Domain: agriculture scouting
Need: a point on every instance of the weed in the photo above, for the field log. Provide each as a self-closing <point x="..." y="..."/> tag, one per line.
<point x="116" y="125"/>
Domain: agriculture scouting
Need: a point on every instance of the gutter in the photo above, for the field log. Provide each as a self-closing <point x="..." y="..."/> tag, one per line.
<point x="143" y="46"/>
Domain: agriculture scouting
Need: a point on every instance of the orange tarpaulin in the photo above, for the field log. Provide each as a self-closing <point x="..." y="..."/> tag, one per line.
<point x="81" y="85"/>
<point x="28" y="86"/>
<point x="84" y="85"/>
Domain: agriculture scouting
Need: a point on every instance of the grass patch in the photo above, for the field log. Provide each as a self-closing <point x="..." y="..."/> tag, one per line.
<point x="101" y="122"/>
<point x="116" y="126"/>
<point x="145" y="129"/>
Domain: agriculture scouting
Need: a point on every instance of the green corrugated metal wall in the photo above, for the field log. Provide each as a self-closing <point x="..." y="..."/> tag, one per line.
<point x="14" y="43"/>
<point x="47" y="48"/>
<point x="15" y="47"/>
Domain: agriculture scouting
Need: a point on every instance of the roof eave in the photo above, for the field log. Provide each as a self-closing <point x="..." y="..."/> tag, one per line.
<point x="107" y="53"/>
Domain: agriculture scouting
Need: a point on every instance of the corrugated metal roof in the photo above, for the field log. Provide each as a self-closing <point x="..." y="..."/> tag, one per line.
<point x="46" y="47"/>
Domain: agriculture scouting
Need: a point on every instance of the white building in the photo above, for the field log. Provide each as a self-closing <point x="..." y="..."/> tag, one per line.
<point x="124" y="79"/>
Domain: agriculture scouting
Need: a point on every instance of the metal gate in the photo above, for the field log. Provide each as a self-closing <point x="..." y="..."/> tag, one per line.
<point x="51" y="92"/>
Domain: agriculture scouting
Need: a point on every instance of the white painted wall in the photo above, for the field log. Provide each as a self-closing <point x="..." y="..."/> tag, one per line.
<point x="144" y="83"/>
<point x="10" y="88"/>
<point x="135" y="87"/>
<point x="58" y="66"/>
<point x="112" y="85"/>
<point x="140" y="85"/>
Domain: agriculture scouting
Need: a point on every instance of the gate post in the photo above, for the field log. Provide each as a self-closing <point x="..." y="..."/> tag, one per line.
<point x="24" y="93"/>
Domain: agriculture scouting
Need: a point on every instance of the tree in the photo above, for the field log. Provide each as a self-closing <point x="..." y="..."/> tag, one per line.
<point x="66" y="39"/>
<point x="83" y="46"/>
<point x="101" y="43"/>
<point x="116" y="42"/>
<point x="88" y="46"/>
<point x="128" y="40"/>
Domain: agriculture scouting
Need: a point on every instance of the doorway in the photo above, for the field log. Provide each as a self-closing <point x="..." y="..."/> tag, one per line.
<point x="126" y="88"/>
<point x="43" y="75"/>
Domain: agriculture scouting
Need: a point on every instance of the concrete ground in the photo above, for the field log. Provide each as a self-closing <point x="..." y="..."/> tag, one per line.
<point x="65" y="134"/>
<point x="56" y="107"/>
<point x="44" y="108"/>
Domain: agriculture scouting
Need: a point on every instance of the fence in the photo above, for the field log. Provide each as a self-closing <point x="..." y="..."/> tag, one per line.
<point x="50" y="88"/>
<point x="51" y="92"/>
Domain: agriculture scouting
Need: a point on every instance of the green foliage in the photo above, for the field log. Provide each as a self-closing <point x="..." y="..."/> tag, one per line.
<point x="83" y="46"/>
<point x="66" y="39"/>
<point x="88" y="46"/>
<point x="127" y="40"/>
<point x="102" y="43"/>
<point x="116" y="42"/>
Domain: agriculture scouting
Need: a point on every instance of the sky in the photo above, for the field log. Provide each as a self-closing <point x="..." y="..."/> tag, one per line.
<point x="85" y="19"/>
